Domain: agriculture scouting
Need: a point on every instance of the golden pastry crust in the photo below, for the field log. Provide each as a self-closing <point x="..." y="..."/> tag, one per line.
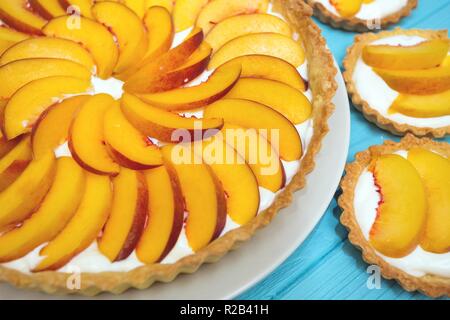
<point x="322" y="82"/>
<point x="433" y="286"/>
<point x="354" y="53"/>
<point x="355" y="24"/>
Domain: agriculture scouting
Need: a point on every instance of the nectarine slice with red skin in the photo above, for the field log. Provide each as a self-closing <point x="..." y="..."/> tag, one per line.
<point x="84" y="227"/>
<point x="163" y="125"/>
<point x="82" y="7"/>
<point x="288" y="101"/>
<point x="240" y="25"/>
<point x="27" y="104"/>
<point x="128" y="215"/>
<point x="86" y="137"/>
<point x="424" y="55"/>
<point x="269" y="44"/>
<point x="20" y="199"/>
<point x="422" y="106"/>
<point x="249" y="114"/>
<point x="127" y="146"/>
<point x="45" y="135"/>
<point x="51" y="217"/>
<point x="203" y="195"/>
<point x="16" y="14"/>
<point x="47" y="9"/>
<point x="188" y="98"/>
<point x="165" y="215"/>
<point x="13" y="164"/>
<point x="185" y="13"/>
<point x="434" y="170"/>
<point x="347" y="8"/>
<point x="401" y="214"/>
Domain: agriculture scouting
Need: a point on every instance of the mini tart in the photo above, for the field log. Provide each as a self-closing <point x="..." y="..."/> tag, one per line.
<point x="371" y="114"/>
<point x="321" y="81"/>
<point x="431" y="285"/>
<point x="355" y="24"/>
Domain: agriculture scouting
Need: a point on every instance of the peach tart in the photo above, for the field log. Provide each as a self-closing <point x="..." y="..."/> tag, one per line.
<point x="400" y="80"/>
<point x="403" y="230"/>
<point x="141" y="139"/>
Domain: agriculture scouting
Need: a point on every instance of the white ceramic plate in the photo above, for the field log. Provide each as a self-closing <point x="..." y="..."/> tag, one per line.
<point x="241" y="269"/>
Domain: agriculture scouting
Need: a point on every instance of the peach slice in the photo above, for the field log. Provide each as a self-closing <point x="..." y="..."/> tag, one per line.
<point x="48" y="9"/>
<point x="83" y="228"/>
<point x="347" y="8"/>
<point x="13" y="164"/>
<point x="188" y="98"/>
<point x="126" y="144"/>
<point x="166" y="4"/>
<point x="269" y="44"/>
<point x="281" y="133"/>
<point x="86" y="136"/>
<point x="12" y="35"/>
<point x="240" y="25"/>
<point x="27" y="104"/>
<point x="418" y="106"/>
<point x="128" y="214"/>
<point x="165" y="215"/>
<point x="203" y="195"/>
<point x="419" y="82"/>
<point x="401" y="214"/>
<point x="288" y="101"/>
<point x="425" y="55"/>
<point x="128" y="29"/>
<point x="20" y="199"/>
<point x="16" y="74"/>
<point x="7" y="145"/>
<point x="446" y="62"/>
<point x="137" y="6"/>
<point x="82" y="7"/>
<point x="45" y="135"/>
<point x="5" y="45"/>
<point x="185" y="13"/>
<point x="218" y="10"/>
<point x="163" y="125"/>
<point x="52" y="215"/>
<point x="434" y="170"/>
<point x="94" y="36"/>
<point x="16" y="14"/>
<point x="49" y="48"/>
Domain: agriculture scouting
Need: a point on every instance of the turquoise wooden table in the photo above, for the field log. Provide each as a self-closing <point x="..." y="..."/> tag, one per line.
<point x="326" y="265"/>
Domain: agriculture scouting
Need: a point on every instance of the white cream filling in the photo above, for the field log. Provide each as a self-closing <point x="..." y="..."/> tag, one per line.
<point x="372" y="88"/>
<point x="418" y="263"/>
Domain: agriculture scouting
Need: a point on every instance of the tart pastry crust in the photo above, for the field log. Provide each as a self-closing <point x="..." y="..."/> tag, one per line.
<point x="431" y="285"/>
<point x="322" y="82"/>
<point x="354" y="53"/>
<point x="355" y="24"/>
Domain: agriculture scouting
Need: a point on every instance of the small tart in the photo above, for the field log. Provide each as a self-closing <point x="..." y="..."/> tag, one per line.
<point x="326" y="12"/>
<point x="353" y="63"/>
<point x="430" y="284"/>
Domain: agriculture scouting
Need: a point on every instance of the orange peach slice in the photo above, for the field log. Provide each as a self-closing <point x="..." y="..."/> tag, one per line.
<point x="128" y="29"/>
<point x="52" y="215"/>
<point x="5" y="45"/>
<point x="185" y="13"/>
<point x="165" y="215"/>
<point x="163" y="125"/>
<point x="269" y="44"/>
<point x="401" y="214"/>
<point x="16" y="74"/>
<point x="347" y="8"/>
<point x="203" y="195"/>
<point x="188" y="98"/>
<point x="20" y="199"/>
<point x="86" y="136"/>
<point x="45" y="135"/>
<point x="280" y="131"/>
<point x="166" y="4"/>
<point x="218" y="10"/>
<point x="27" y="104"/>
<point x="288" y="101"/>
<point x="240" y="25"/>
<point x="48" y="9"/>
<point x="13" y="164"/>
<point x="160" y="31"/>
<point x="49" y="48"/>
<point x="446" y="62"/>
<point x="16" y="14"/>
<point x="419" y="82"/>
<point x="83" y="228"/>
<point x="137" y="6"/>
<point x="94" y="36"/>
<point x="7" y="145"/>
<point x="128" y="214"/>
<point x="126" y="144"/>
<point x="82" y="7"/>
<point x="12" y="35"/>
<point x="425" y="55"/>
<point x="419" y="106"/>
<point x="434" y="170"/>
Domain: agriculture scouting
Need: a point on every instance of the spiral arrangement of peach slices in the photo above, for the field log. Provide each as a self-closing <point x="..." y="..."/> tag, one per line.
<point x="418" y="214"/>
<point x="121" y="184"/>
<point x="420" y="73"/>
